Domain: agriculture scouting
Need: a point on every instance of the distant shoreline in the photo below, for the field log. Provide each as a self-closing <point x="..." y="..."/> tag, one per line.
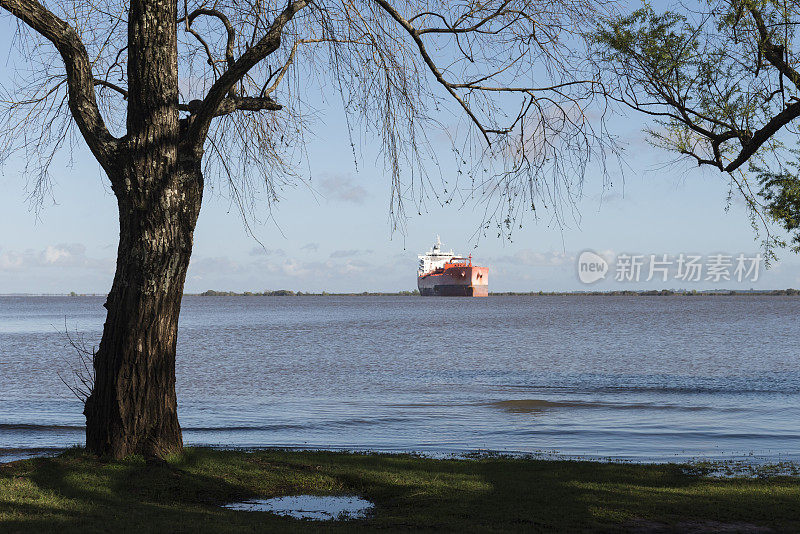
<point x="616" y="293"/>
<point x="642" y="293"/>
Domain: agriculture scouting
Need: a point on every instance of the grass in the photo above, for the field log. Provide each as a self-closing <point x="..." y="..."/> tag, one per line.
<point x="76" y="492"/>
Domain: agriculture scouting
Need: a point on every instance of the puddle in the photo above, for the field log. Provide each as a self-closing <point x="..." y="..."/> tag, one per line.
<point x="320" y="508"/>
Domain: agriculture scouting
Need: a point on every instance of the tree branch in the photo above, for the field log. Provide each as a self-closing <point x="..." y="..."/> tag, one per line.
<point x="235" y="103"/>
<point x="115" y="87"/>
<point x="228" y="28"/>
<point x="450" y="28"/>
<point x="207" y="48"/>
<point x="282" y="72"/>
<point x="760" y="137"/>
<point x="773" y="53"/>
<point x="415" y="35"/>
<point x="80" y="83"/>
<point x="751" y="143"/>
<point x="210" y="106"/>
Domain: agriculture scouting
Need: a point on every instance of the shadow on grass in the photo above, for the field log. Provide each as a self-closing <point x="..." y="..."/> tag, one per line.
<point x="78" y="493"/>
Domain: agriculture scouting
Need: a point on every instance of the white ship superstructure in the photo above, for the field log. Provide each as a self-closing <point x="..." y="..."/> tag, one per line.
<point x="434" y="259"/>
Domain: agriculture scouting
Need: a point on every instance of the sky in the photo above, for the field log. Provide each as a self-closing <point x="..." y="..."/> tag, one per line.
<point x="335" y="235"/>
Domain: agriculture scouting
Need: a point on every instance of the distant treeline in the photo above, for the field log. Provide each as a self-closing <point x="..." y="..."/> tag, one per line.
<point x="289" y="293"/>
<point x="658" y="293"/>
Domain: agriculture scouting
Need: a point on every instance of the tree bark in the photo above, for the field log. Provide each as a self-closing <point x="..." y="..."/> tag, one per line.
<point x="133" y="406"/>
<point x="159" y="186"/>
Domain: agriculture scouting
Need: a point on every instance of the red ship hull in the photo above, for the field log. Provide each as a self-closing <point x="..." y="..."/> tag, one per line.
<point x="455" y="281"/>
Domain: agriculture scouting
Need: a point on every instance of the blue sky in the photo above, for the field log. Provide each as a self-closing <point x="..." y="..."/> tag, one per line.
<point x="338" y="237"/>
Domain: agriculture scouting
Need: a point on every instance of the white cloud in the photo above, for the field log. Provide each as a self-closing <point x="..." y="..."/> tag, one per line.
<point x="212" y="266"/>
<point x="326" y="270"/>
<point x="53" y="254"/>
<point x="55" y="269"/>
<point x="71" y="255"/>
<point x="273" y="272"/>
<point x="342" y="188"/>
<point x="349" y="253"/>
<point x="261" y="251"/>
<point x="532" y="258"/>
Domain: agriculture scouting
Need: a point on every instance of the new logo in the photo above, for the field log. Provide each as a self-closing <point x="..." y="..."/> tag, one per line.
<point x="591" y="267"/>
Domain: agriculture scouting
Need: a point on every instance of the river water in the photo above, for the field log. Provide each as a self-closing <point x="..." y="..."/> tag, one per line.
<point x="637" y="378"/>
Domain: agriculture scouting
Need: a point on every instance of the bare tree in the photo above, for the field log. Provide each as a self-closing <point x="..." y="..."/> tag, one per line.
<point x="164" y="93"/>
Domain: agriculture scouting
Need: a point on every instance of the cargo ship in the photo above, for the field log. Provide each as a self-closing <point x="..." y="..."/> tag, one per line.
<point x="445" y="274"/>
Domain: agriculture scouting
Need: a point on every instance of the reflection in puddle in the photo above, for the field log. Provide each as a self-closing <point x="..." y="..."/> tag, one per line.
<point x="322" y="508"/>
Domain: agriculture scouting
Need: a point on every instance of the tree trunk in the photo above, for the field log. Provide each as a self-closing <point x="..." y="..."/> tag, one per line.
<point x="159" y="187"/>
<point x="133" y="406"/>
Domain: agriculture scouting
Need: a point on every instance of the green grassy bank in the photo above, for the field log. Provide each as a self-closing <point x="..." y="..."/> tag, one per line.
<point x="78" y="493"/>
